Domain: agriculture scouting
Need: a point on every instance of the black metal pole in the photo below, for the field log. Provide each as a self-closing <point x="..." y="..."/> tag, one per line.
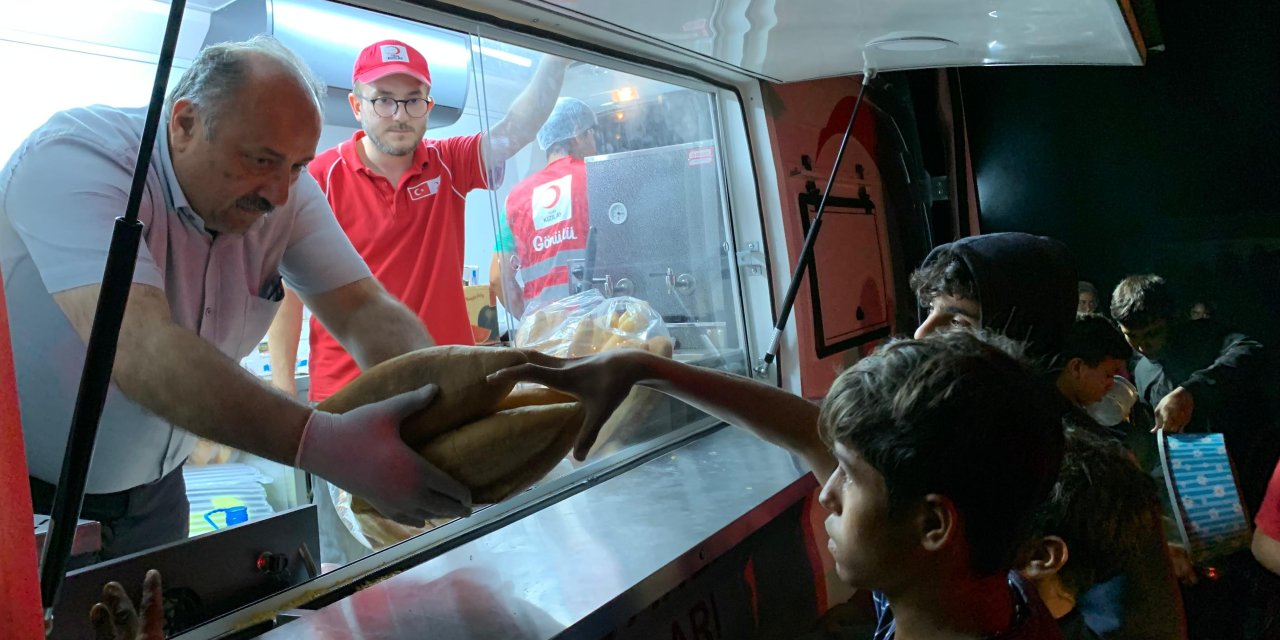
<point x="811" y="238"/>
<point x="100" y="354"/>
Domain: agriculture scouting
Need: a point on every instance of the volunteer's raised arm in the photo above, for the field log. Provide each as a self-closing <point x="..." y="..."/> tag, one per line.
<point x="527" y="113"/>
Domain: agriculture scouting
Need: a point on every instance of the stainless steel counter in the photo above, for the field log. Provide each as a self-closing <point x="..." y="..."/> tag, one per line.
<point x="622" y="543"/>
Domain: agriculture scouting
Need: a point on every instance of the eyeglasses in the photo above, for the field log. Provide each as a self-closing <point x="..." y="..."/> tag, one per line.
<point x="413" y="107"/>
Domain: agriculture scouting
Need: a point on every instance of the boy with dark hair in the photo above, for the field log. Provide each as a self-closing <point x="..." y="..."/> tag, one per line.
<point x="937" y="453"/>
<point x="1199" y="376"/>
<point x="944" y="447"/>
<point x="1018" y="285"/>
<point x="1036" y="310"/>
<point x="1094" y="354"/>
<point x="1142" y="300"/>
<point x="945" y="275"/>
<point x="1094" y="525"/>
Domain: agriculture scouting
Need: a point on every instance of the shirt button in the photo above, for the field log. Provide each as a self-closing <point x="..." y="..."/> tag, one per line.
<point x="208" y="311"/>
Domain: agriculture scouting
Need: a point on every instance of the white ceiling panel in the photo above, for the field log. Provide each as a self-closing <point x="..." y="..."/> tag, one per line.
<point x="791" y="40"/>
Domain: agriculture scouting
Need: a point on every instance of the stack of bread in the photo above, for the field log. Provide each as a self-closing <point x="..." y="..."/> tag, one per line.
<point x="496" y="440"/>
<point x="499" y="440"/>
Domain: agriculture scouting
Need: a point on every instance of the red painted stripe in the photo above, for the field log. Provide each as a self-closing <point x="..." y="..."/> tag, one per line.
<point x="19" y="587"/>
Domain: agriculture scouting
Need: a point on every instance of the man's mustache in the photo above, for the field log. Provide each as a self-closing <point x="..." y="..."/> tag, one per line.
<point x="255" y="203"/>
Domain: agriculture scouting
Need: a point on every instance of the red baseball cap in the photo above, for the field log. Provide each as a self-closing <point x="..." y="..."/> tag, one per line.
<point x="388" y="57"/>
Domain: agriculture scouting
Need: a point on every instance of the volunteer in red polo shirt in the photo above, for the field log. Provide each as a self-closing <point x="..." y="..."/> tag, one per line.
<point x="401" y="200"/>
<point x="547" y="214"/>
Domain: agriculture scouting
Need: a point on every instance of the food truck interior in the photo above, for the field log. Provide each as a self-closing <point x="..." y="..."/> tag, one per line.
<point x="1132" y="130"/>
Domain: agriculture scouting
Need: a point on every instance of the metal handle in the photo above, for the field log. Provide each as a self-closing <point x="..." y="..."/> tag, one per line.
<point x="117" y="278"/>
<point x="811" y="238"/>
<point x="607" y="281"/>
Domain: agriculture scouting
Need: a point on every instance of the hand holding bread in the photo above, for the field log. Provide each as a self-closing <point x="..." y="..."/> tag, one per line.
<point x="603" y="383"/>
<point x="362" y="452"/>
<point x="489" y="438"/>
<point x="585" y="325"/>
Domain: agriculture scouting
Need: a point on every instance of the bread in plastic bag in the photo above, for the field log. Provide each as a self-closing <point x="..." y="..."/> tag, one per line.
<point x="588" y="323"/>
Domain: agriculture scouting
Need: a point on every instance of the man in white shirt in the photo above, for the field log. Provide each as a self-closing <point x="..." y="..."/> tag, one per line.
<point x="230" y="215"/>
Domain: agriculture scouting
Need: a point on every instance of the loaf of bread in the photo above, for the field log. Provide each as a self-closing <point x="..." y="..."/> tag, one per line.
<point x="495" y="440"/>
<point x="465" y="395"/>
<point x="565" y="331"/>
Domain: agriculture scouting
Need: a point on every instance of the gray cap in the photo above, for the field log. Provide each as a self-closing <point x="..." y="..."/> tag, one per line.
<point x="569" y="118"/>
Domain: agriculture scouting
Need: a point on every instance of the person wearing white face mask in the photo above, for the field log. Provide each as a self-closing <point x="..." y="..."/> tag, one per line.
<point x="1013" y="284"/>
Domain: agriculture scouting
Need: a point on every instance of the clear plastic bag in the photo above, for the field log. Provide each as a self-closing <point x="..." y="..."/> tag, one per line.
<point x="371" y="529"/>
<point x="588" y="323"/>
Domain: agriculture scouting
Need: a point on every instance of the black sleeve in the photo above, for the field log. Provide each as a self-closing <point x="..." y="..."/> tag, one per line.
<point x="1240" y="364"/>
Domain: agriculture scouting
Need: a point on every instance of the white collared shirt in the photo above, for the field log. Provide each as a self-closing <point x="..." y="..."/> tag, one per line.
<point x="59" y="196"/>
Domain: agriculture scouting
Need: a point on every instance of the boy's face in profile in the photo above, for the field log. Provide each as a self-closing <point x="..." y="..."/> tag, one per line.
<point x="1149" y="340"/>
<point x="1092" y="383"/>
<point x="870" y="548"/>
<point x="948" y="312"/>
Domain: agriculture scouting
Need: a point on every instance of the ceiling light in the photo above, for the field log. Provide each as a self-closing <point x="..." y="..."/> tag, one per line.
<point x="902" y="41"/>
<point x="624" y="94"/>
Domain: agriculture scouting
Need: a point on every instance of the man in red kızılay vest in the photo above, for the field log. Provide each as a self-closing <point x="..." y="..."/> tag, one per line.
<point x="400" y="198"/>
<point x="547" y="215"/>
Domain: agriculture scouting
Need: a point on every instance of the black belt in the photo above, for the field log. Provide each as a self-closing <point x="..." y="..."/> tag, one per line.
<point x="97" y="506"/>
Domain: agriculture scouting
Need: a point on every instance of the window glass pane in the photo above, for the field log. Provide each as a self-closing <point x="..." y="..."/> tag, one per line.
<point x="619" y="204"/>
<point x="617" y="198"/>
<point x="607" y="194"/>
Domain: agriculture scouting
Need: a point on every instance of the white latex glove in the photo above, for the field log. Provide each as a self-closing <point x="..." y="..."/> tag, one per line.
<point x="362" y="452"/>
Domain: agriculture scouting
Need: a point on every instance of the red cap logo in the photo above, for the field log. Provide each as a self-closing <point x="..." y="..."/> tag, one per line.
<point x="390" y="57"/>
